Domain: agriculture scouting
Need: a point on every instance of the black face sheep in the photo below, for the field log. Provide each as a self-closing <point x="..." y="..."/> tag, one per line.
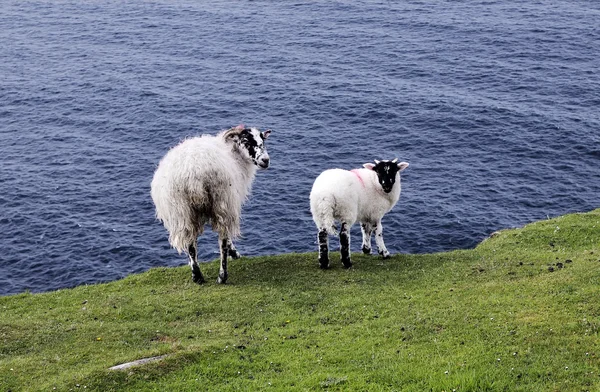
<point x="363" y="195"/>
<point x="205" y="180"/>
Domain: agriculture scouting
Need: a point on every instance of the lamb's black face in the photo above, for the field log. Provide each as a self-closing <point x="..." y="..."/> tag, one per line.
<point x="386" y="172"/>
<point x="254" y="142"/>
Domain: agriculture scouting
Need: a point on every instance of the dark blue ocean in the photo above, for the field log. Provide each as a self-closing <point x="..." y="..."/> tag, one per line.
<point x="495" y="104"/>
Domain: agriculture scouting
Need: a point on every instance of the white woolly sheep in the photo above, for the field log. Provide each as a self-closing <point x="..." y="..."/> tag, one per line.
<point x="205" y="180"/>
<point x="363" y="195"/>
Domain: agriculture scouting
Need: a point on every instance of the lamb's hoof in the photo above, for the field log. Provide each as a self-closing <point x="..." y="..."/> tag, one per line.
<point x="385" y="255"/>
<point x="222" y="279"/>
<point x="366" y="250"/>
<point x="347" y="264"/>
<point x="199" y="279"/>
<point x="234" y="254"/>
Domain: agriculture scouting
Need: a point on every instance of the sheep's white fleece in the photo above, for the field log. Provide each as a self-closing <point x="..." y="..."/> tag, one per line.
<point x="203" y="180"/>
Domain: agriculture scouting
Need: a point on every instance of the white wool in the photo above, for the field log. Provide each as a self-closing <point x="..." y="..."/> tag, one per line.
<point x="350" y="196"/>
<point x="203" y="180"/>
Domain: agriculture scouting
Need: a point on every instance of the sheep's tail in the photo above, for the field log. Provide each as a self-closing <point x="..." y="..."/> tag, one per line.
<point x="183" y="230"/>
<point x="181" y="240"/>
<point x="322" y="209"/>
<point x="185" y="226"/>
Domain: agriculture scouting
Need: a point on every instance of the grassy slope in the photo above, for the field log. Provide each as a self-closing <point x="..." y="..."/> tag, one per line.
<point x="491" y="318"/>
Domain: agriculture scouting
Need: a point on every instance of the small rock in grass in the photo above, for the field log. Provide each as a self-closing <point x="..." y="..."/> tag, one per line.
<point x="551" y="269"/>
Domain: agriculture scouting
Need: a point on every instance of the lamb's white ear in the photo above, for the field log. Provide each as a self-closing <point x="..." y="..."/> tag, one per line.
<point x="402" y="166"/>
<point x="266" y="134"/>
<point x="369" y="166"/>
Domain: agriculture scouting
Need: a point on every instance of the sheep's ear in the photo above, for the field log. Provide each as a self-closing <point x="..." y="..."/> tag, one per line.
<point x="266" y="134"/>
<point x="369" y="166"/>
<point x="402" y="166"/>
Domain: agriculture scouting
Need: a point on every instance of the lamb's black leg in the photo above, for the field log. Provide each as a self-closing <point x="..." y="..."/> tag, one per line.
<point x="193" y="255"/>
<point x="233" y="253"/>
<point x="367" y="229"/>
<point x="323" y="249"/>
<point x="345" y="245"/>
<point x="224" y="248"/>
<point x="379" y="239"/>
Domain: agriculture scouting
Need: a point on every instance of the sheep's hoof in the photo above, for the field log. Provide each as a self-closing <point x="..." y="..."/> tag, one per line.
<point x="221" y="279"/>
<point x="324" y="264"/>
<point x="385" y="255"/>
<point x="347" y="264"/>
<point x="199" y="279"/>
<point x="234" y="254"/>
<point x="366" y="250"/>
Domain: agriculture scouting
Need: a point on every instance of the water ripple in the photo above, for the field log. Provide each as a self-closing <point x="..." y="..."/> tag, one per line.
<point x="493" y="104"/>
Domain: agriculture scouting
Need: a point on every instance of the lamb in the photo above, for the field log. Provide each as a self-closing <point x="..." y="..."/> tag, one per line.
<point x="205" y="180"/>
<point x="363" y="195"/>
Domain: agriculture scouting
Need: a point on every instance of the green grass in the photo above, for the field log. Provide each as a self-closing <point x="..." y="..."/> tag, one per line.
<point x="493" y="318"/>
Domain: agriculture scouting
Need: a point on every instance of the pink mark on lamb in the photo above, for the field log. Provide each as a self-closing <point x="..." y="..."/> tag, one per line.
<point x="355" y="171"/>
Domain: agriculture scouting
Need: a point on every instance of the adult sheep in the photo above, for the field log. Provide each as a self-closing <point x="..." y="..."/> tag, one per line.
<point x="205" y="180"/>
<point x="363" y="195"/>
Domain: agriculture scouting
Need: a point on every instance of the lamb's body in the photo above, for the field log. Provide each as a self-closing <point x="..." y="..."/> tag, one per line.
<point x="354" y="196"/>
<point x="349" y="196"/>
<point x="205" y="180"/>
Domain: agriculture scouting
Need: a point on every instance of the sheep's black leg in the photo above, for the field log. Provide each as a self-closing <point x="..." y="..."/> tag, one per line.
<point x="379" y="239"/>
<point x="367" y="230"/>
<point x="233" y="253"/>
<point x="224" y="253"/>
<point x="345" y="245"/>
<point x="193" y="255"/>
<point x="323" y="249"/>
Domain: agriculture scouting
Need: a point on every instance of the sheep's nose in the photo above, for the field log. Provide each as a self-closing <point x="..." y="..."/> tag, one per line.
<point x="264" y="162"/>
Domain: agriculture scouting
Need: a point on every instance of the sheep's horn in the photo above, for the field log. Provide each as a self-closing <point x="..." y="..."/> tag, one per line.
<point x="232" y="132"/>
<point x="395" y="160"/>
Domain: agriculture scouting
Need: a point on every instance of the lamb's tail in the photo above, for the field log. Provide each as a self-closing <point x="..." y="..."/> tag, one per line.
<point x="322" y="209"/>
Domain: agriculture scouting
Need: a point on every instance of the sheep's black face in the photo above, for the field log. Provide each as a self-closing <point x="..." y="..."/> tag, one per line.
<point x="253" y="141"/>
<point x="387" y="172"/>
